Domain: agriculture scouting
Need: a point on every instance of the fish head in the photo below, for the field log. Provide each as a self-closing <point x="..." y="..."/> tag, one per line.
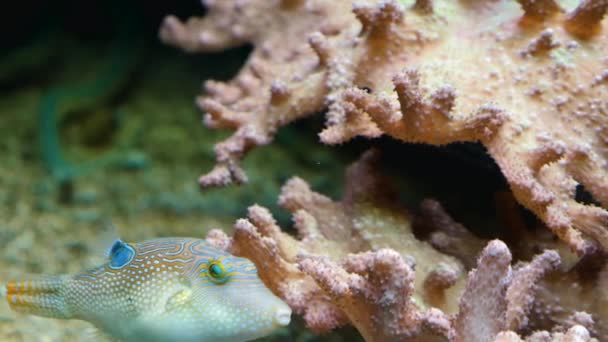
<point x="188" y="289"/>
<point x="229" y="295"/>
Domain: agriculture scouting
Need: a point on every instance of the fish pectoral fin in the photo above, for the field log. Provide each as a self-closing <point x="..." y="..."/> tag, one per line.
<point x="95" y="334"/>
<point x="178" y="299"/>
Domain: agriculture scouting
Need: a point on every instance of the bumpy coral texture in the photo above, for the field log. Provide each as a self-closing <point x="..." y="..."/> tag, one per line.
<point x="527" y="78"/>
<point x="573" y="294"/>
<point x="357" y="262"/>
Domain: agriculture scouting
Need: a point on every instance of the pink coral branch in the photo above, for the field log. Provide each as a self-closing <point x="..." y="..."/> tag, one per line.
<point x="357" y="263"/>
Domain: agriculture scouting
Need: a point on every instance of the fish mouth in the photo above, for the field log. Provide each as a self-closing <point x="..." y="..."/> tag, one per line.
<point x="283" y="316"/>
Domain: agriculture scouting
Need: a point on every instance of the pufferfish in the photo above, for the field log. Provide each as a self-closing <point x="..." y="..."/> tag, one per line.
<point x="169" y="289"/>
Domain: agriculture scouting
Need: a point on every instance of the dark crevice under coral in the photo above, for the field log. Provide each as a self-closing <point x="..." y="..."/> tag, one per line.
<point x="460" y="176"/>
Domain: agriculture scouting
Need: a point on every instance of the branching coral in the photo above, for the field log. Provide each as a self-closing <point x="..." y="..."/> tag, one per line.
<point x="266" y="94"/>
<point x="527" y="80"/>
<point x="582" y="288"/>
<point x="364" y="220"/>
<point x="578" y="285"/>
<point x="357" y="262"/>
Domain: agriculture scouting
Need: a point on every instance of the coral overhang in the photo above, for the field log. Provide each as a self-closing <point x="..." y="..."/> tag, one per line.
<point x="528" y="80"/>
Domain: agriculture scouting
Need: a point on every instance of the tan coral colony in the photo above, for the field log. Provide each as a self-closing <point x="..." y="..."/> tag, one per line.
<point x="528" y="79"/>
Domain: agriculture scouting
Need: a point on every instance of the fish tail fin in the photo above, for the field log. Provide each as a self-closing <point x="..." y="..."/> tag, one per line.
<point x="42" y="297"/>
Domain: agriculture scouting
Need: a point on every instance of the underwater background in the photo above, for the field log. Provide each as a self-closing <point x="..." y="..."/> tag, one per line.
<point x="98" y="128"/>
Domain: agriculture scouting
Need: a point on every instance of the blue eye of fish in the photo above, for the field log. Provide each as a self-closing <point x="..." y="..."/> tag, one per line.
<point x="120" y="254"/>
<point x="217" y="272"/>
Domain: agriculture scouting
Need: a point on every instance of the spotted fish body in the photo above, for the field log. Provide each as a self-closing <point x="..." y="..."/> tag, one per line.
<point x="170" y="289"/>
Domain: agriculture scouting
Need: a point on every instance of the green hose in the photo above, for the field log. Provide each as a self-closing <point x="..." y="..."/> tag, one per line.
<point x="123" y="57"/>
